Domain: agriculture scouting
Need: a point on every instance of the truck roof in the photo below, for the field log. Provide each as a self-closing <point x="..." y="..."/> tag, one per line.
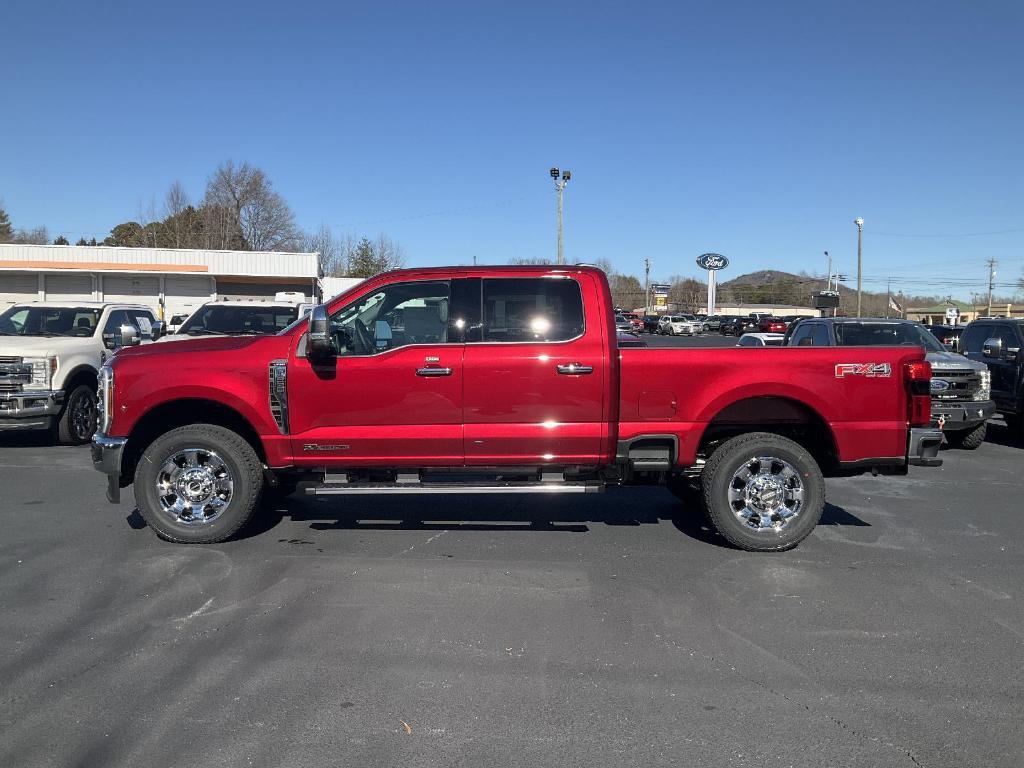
<point x="84" y="304"/>
<point x="504" y="270"/>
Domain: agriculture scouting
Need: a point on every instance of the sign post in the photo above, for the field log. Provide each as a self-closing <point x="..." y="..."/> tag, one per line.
<point x="712" y="262"/>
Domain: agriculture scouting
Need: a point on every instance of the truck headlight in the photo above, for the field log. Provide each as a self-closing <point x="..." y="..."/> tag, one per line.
<point x="43" y="369"/>
<point x="985" y="391"/>
<point x="105" y="397"/>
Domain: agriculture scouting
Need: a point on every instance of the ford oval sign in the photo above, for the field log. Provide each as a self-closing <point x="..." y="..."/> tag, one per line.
<point x="712" y="261"/>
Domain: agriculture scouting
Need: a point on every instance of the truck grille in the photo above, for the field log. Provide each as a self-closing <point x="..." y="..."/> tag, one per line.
<point x="962" y="385"/>
<point x="14" y="374"/>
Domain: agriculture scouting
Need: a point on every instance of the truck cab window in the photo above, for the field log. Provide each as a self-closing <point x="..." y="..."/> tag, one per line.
<point x="396" y="315"/>
<point x="531" y="310"/>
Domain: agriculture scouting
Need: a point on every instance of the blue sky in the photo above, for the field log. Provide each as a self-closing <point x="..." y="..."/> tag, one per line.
<point x="758" y="130"/>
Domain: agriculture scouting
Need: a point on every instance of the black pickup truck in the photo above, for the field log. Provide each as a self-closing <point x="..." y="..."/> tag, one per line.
<point x="997" y="343"/>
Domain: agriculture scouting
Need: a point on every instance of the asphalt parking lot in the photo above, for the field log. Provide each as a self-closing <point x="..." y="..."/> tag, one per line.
<point x="606" y="630"/>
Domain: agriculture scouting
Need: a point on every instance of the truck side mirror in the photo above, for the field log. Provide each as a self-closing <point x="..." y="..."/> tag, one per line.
<point x="318" y="343"/>
<point x="1012" y="354"/>
<point x="159" y="329"/>
<point x="992" y="348"/>
<point x="126" y="336"/>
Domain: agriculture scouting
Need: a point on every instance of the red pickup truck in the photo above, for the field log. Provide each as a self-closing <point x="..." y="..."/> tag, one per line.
<point x="499" y="380"/>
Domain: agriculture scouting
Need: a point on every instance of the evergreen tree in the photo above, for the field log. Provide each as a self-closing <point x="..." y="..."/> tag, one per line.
<point x="6" y="233"/>
<point x="61" y="240"/>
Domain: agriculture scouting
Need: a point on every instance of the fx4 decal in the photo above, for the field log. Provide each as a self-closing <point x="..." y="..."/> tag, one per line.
<point x="871" y="370"/>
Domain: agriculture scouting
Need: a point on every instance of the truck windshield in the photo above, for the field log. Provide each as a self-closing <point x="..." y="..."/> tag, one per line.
<point x="49" y="321"/>
<point x="886" y="335"/>
<point x="233" y="320"/>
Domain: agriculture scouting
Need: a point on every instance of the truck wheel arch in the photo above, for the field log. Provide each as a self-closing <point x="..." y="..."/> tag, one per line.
<point x="80" y="374"/>
<point x="782" y="415"/>
<point x="178" y="413"/>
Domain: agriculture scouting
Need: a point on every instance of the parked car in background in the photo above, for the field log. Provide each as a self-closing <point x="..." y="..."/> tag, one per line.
<point x="175" y="323"/>
<point x="628" y="340"/>
<point x="50" y="357"/>
<point x="622" y="324"/>
<point x="736" y="326"/>
<point x="712" y="323"/>
<point x="679" y="325"/>
<point x="961" y="388"/>
<point x="997" y="343"/>
<point x="635" y="320"/>
<point x="651" y="323"/>
<point x="948" y="335"/>
<point x="237" y="318"/>
<point x="771" y="324"/>
<point x="761" y="340"/>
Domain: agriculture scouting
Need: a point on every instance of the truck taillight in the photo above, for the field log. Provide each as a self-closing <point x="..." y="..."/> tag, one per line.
<point x="918" y="377"/>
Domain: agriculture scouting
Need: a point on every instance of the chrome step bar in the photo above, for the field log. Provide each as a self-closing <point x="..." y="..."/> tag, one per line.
<point x="349" y="489"/>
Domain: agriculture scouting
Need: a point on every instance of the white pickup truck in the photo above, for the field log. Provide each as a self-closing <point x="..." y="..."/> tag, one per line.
<point x="50" y="355"/>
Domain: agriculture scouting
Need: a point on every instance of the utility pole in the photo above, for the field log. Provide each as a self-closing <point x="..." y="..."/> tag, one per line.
<point x="828" y="285"/>
<point x="860" y="238"/>
<point x="561" y="179"/>
<point x="991" y="280"/>
<point x="888" y="296"/>
<point x="647" y="286"/>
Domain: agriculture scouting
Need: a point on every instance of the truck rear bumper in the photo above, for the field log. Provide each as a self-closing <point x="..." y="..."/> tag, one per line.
<point x="29" y="410"/>
<point x="106" y="458"/>
<point x="923" y="446"/>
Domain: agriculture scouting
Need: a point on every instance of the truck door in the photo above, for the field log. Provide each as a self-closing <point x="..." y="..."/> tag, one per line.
<point x="536" y="375"/>
<point x="392" y="396"/>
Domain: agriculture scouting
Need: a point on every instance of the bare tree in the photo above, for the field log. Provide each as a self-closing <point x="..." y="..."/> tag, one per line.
<point x="390" y="255"/>
<point x="331" y="258"/>
<point x="246" y="200"/>
<point x="176" y="202"/>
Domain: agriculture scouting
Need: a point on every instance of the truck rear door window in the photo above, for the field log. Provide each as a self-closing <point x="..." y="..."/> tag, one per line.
<point x="531" y="310"/>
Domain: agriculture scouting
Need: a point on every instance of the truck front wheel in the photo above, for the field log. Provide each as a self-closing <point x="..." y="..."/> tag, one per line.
<point x="968" y="438"/>
<point x="77" y="420"/>
<point x="763" y="492"/>
<point x="198" y="484"/>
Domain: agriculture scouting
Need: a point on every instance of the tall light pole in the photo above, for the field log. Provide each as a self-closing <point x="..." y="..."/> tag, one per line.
<point x="561" y="179"/>
<point x="860" y="242"/>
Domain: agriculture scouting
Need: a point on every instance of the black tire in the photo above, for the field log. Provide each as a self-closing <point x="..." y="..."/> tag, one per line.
<point x="969" y="439"/>
<point x="77" y="421"/>
<point x="239" y="461"/>
<point x="720" y="473"/>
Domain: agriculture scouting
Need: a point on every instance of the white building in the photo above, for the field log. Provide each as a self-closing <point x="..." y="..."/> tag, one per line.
<point x="170" y="280"/>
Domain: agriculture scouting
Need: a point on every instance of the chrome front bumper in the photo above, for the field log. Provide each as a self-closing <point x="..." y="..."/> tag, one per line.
<point x="106" y="458"/>
<point x="923" y="447"/>
<point x="29" y="410"/>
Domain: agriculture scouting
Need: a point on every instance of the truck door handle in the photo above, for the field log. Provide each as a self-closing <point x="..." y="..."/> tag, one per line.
<point x="433" y="371"/>
<point x="574" y="369"/>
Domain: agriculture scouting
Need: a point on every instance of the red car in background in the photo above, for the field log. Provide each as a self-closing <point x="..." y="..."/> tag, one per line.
<point x="635" y="320"/>
<point x="772" y="325"/>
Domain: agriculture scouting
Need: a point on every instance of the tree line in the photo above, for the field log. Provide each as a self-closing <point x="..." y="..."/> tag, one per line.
<point x="240" y="210"/>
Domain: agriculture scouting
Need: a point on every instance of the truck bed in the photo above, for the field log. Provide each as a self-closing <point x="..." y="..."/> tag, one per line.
<point x="681" y="392"/>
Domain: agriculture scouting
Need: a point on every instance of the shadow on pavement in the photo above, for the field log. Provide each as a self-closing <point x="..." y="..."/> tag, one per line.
<point x="467" y="513"/>
<point x="31" y="439"/>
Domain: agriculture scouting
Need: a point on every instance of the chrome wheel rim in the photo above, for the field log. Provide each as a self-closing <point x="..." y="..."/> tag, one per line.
<point x="83" y="416"/>
<point x="766" y="493"/>
<point x="194" y="486"/>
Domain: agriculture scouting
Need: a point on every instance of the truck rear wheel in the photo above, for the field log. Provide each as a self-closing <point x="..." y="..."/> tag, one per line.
<point x="763" y="492"/>
<point x="968" y="438"/>
<point x="198" y="484"/>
